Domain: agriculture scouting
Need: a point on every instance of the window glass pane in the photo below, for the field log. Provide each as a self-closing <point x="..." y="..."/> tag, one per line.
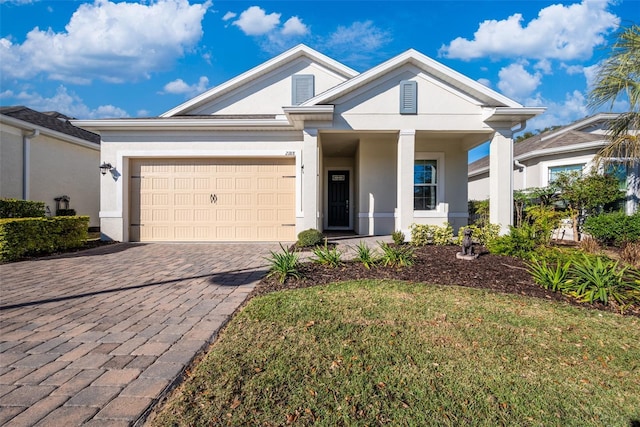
<point x="619" y="172"/>
<point x="424" y="197"/>
<point x="424" y="172"/>
<point x="557" y="170"/>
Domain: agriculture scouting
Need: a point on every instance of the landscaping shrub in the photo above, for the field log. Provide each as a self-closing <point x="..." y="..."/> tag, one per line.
<point x="20" y="237"/>
<point x="521" y="242"/>
<point x="309" y="238"/>
<point x="66" y="212"/>
<point x="589" y="245"/>
<point x="283" y="264"/>
<point x="544" y="219"/>
<point x="587" y="277"/>
<point x="600" y="279"/>
<point x="479" y="211"/>
<point x="14" y="208"/>
<point x="424" y="234"/>
<point x="398" y="237"/>
<point x="365" y="256"/>
<point x="326" y="255"/>
<point x="396" y="256"/>
<point x="550" y="276"/>
<point x="480" y="234"/>
<point x="614" y="228"/>
<point x="556" y="254"/>
<point x="630" y="254"/>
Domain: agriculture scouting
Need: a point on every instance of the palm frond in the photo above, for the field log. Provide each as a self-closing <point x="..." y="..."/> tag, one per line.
<point x="618" y="79"/>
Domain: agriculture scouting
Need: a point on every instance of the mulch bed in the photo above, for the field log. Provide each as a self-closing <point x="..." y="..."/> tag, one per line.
<point x="437" y="265"/>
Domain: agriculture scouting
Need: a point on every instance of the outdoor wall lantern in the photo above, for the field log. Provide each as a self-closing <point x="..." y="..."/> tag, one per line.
<point x="105" y="167"/>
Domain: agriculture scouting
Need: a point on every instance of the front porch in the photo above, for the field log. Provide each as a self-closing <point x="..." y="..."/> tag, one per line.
<point x="375" y="183"/>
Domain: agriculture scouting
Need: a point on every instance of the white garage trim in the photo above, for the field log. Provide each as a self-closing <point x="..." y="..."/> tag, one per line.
<point x="212" y="199"/>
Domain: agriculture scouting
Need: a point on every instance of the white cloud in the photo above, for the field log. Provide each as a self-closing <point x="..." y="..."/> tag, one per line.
<point x="590" y="73"/>
<point x="362" y="36"/>
<point x="179" y="87"/>
<point x="572" y="108"/>
<point x="255" y="22"/>
<point x="106" y="41"/>
<point x="273" y="37"/>
<point x="543" y="65"/>
<point x="229" y="15"/>
<point x="516" y="82"/>
<point x="573" y="69"/>
<point x="559" y="32"/>
<point x="65" y="102"/>
<point x="294" y="27"/>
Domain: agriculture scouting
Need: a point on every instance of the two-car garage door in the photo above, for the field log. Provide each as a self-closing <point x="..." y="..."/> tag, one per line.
<point x="213" y="199"/>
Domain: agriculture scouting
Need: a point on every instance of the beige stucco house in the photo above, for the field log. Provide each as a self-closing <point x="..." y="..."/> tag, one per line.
<point x="303" y="141"/>
<point x="537" y="160"/>
<point x="44" y="157"/>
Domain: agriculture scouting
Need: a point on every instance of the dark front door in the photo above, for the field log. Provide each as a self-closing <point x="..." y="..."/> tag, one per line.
<point x="338" y="192"/>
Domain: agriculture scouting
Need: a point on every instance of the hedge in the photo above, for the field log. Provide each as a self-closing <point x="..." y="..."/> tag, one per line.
<point x="424" y="234"/>
<point x="614" y="228"/>
<point x="20" y="237"/>
<point x="14" y="208"/>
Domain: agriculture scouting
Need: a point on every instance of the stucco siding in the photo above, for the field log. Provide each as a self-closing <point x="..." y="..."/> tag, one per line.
<point x="59" y="168"/>
<point x="269" y="93"/>
<point x="439" y="106"/>
<point x="55" y="168"/>
<point x="479" y="187"/>
<point x="377" y="197"/>
<point x="10" y="162"/>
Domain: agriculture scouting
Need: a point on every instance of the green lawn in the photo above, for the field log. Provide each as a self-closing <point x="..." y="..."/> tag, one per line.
<point x="384" y="352"/>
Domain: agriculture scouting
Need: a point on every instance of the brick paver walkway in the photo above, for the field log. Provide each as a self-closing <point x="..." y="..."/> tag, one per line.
<point x="95" y="338"/>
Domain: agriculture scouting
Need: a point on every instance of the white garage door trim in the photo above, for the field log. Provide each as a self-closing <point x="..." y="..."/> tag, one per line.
<point x="212" y="199"/>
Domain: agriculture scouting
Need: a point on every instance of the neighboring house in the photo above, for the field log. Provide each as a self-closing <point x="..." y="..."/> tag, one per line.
<point x="43" y="157"/>
<point x="302" y="141"/>
<point x="537" y="160"/>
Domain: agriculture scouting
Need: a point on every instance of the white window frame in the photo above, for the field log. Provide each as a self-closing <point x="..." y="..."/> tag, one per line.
<point x="568" y="161"/>
<point x="440" y="184"/>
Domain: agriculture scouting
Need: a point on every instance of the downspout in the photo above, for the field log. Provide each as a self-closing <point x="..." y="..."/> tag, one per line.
<point x="520" y="128"/>
<point x="523" y="168"/>
<point x="26" y="162"/>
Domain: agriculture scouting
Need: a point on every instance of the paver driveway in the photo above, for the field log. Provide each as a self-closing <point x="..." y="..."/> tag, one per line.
<point x="96" y="337"/>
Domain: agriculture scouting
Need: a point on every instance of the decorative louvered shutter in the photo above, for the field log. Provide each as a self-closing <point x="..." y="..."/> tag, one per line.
<point x="302" y="88"/>
<point x="408" y="97"/>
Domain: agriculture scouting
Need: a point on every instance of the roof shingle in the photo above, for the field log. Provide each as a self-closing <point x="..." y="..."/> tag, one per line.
<point x="50" y="120"/>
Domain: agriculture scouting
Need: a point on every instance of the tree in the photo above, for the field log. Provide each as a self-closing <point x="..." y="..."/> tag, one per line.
<point x="618" y="78"/>
<point x="585" y="193"/>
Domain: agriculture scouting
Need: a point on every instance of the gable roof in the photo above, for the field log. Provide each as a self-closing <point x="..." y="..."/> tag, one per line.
<point x="469" y="86"/>
<point x="51" y="120"/>
<point x="498" y="108"/>
<point x="567" y="138"/>
<point x="279" y="61"/>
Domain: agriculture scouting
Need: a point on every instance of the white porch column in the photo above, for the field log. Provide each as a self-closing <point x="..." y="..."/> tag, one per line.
<point x="406" y="156"/>
<point x="310" y="181"/>
<point x="501" y="179"/>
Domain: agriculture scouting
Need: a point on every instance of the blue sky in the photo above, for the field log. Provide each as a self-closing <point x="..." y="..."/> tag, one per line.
<point x="131" y="59"/>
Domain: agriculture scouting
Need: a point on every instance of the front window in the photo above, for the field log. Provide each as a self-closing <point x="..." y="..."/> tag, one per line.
<point x="555" y="171"/>
<point x="425" y="181"/>
<point x="619" y="172"/>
